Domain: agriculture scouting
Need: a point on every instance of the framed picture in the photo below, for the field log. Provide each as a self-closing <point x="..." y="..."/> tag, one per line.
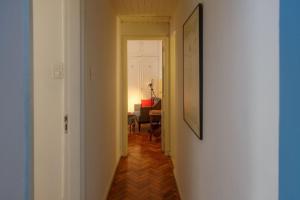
<point x="193" y="71"/>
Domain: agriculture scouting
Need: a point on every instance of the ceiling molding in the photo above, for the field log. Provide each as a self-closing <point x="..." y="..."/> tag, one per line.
<point x="145" y="7"/>
<point x="144" y="19"/>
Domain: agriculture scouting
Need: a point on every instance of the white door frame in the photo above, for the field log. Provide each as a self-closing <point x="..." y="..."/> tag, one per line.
<point x="73" y="169"/>
<point x="166" y="91"/>
<point x="74" y="79"/>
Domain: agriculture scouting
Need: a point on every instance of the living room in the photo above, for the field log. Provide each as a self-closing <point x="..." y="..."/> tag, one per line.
<point x="145" y="87"/>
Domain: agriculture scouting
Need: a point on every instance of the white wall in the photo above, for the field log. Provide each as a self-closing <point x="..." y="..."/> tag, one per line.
<point x="238" y="158"/>
<point x="48" y="100"/>
<point x="100" y="101"/>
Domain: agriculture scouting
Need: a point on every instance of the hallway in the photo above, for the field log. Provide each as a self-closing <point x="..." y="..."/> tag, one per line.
<point x="80" y="118"/>
<point x="145" y="174"/>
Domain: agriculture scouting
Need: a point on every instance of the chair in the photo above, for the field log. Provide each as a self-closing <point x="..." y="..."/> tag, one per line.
<point x="132" y="118"/>
<point x="144" y="116"/>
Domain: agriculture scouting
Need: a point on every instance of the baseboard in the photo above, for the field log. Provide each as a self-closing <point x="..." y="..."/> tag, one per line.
<point x="112" y="177"/>
<point x="176" y="178"/>
<point x="168" y="153"/>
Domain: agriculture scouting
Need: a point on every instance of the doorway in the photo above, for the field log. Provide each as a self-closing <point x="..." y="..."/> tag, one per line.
<point x="145" y="88"/>
<point x="146" y="99"/>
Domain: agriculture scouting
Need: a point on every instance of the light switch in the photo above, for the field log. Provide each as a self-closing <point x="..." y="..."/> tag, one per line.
<point x="58" y="71"/>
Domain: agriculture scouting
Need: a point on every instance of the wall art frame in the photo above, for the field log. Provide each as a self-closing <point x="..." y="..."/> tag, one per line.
<point x="193" y="71"/>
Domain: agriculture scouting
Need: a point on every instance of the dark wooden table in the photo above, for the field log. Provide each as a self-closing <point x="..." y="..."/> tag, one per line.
<point x="155" y="123"/>
<point x="132" y="118"/>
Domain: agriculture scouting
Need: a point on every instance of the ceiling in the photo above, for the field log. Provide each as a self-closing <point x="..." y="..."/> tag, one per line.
<point x="145" y="7"/>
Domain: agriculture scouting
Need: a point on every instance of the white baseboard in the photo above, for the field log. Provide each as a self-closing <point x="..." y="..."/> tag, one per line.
<point x="112" y="178"/>
<point x="176" y="178"/>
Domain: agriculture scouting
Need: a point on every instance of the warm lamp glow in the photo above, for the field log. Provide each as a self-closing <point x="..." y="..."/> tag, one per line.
<point x="133" y="99"/>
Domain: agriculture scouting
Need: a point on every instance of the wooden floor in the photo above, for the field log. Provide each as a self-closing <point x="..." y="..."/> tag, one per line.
<point x="146" y="174"/>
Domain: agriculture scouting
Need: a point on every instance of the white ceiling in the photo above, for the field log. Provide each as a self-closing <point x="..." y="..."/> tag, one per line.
<point x="145" y="7"/>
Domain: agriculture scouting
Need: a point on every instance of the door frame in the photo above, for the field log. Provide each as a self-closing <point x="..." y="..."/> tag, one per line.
<point x="75" y="102"/>
<point x="165" y="142"/>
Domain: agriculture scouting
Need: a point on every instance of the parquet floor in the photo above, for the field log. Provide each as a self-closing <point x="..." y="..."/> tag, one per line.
<point x="146" y="174"/>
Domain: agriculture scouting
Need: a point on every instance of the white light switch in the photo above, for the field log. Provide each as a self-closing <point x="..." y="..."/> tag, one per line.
<point x="58" y="71"/>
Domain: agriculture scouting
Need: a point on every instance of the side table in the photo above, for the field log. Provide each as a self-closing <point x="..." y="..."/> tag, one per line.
<point x="132" y="118"/>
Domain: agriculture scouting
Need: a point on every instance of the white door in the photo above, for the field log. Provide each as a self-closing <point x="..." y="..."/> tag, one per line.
<point x="57" y="91"/>
<point x="49" y="135"/>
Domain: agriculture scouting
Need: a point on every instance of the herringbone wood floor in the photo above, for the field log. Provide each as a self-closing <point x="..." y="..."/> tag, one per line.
<point x="146" y="174"/>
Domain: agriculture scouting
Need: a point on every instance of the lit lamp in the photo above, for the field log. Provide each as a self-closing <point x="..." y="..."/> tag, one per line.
<point x="133" y="99"/>
<point x="150" y="85"/>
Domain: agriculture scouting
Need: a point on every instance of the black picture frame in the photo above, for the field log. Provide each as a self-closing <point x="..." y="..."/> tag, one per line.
<point x="198" y="131"/>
